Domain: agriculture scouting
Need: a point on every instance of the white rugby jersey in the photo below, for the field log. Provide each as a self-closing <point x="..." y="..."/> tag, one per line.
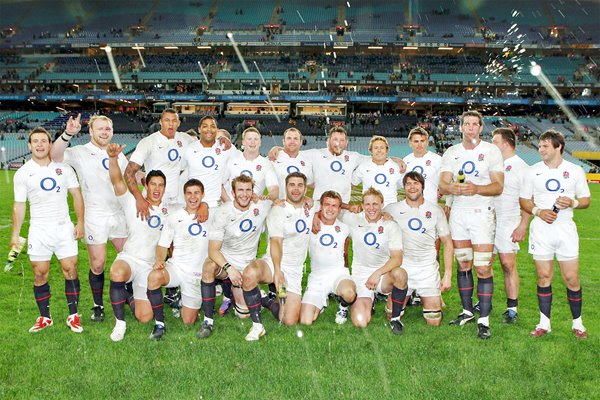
<point x="285" y="165"/>
<point x="293" y="225"/>
<point x="372" y="242"/>
<point x="327" y="247"/>
<point x="333" y="172"/>
<point x="209" y="166"/>
<point x="189" y="238"/>
<point x="507" y="204"/>
<point x="91" y="164"/>
<point x="239" y="231"/>
<point x="142" y="235"/>
<point x="420" y="228"/>
<point x="429" y="166"/>
<point x="386" y="178"/>
<point x="545" y="185"/>
<point x="476" y="165"/>
<point x="46" y="188"/>
<point x="156" y="152"/>
<point x="260" y="169"/>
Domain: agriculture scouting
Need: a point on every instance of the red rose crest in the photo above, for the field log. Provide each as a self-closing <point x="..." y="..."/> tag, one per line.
<point x="179" y="143"/>
<point x="346" y="158"/>
<point x="508" y="168"/>
<point x="259" y="167"/>
<point x="391" y="171"/>
<point x="58" y="171"/>
<point x="481" y="157"/>
<point x="380" y="229"/>
<point x="337" y="229"/>
<point x="428" y="214"/>
<point x="256" y="212"/>
<point x="164" y="210"/>
<point x="428" y="163"/>
<point x="306" y="212"/>
<point x="566" y="174"/>
<point x="217" y="150"/>
<point x="302" y="163"/>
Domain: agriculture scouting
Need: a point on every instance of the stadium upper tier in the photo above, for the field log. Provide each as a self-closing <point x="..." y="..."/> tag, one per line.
<point x="54" y="22"/>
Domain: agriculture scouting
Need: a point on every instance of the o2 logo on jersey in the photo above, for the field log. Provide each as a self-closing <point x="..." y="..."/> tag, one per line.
<point x="49" y="184"/>
<point x="154" y="222"/>
<point x="371" y="240"/>
<point x="327" y="240"/>
<point x="381" y="179"/>
<point x="415" y="224"/>
<point x="292" y="168"/>
<point x="336" y="166"/>
<point x="469" y="168"/>
<point x="195" y="229"/>
<point x="246" y="225"/>
<point x="553" y="185"/>
<point x="420" y="170"/>
<point x="301" y="227"/>
<point x="173" y="155"/>
<point x="105" y="163"/>
<point x="247" y="173"/>
<point x="209" y="162"/>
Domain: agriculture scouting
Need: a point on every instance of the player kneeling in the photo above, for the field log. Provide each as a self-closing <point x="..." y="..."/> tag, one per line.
<point x="421" y="222"/>
<point x="377" y="250"/>
<point x="328" y="272"/>
<point x="184" y="268"/>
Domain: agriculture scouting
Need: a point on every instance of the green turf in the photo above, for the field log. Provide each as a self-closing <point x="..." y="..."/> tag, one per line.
<point x="327" y="362"/>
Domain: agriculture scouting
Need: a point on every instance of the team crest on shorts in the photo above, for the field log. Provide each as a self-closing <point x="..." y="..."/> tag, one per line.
<point x="256" y="212"/>
<point x="346" y="158"/>
<point x="508" y="168"/>
<point x="337" y="229"/>
<point x="258" y="167"/>
<point x="218" y="151"/>
<point x="179" y="143"/>
<point x="391" y="171"/>
<point x="566" y="174"/>
<point x="481" y="157"/>
<point x="380" y="229"/>
<point x="428" y="214"/>
<point x="428" y="163"/>
<point x="58" y="171"/>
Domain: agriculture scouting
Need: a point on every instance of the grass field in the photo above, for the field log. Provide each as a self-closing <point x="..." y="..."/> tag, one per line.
<point x="325" y="361"/>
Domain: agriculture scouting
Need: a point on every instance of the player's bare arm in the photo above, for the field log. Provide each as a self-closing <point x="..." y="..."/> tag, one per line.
<point x="79" y="211"/>
<point x="142" y="205"/>
<point x="18" y="217"/>
<point x="446" y="282"/>
<point x="113" y="150"/>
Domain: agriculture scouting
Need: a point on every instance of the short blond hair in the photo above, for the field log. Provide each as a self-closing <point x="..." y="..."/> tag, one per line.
<point x="418" y="131"/>
<point x="97" y="117"/>
<point x="251" y="129"/>
<point x="378" y="138"/>
<point x="373" y="192"/>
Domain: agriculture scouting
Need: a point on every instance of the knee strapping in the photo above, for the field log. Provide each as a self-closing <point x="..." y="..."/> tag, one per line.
<point x="482" y="258"/>
<point x="463" y="255"/>
<point x="432" y="315"/>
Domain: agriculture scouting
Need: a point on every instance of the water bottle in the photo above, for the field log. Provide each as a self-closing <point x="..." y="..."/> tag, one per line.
<point x="13" y="254"/>
<point x="461" y="176"/>
<point x="555" y="208"/>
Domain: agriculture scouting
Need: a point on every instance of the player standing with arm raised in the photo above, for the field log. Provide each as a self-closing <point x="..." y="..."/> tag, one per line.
<point x="104" y="219"/>
<point x="472" y="218"/>
<point x="553" y="188"/>
<point x="45" y="184"/>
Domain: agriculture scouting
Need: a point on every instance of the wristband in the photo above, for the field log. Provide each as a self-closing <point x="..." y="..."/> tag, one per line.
<point x="535" y="211"/>
<point x="66" y="140"/>
<point x="575" y="203"/>
<point x="226" y="266"/>
<point x="68" y="134"/>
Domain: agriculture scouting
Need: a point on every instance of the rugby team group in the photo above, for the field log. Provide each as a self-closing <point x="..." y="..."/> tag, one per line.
<point x="197" y="224"/>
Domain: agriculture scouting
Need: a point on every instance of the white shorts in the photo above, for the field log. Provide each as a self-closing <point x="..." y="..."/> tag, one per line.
<point x="45" y="240"/>
<point x="189" y="282"/>
<point x="99" y="229"/>
<point x="549" y="240"/>
<point x="505" y="226"/>
<point x="425" y="280"/>
<point x="140" y="269"/>
<point x="320" y="284"/>
<point x="293" y="276"/>
<point x="360" y="275"/>
<point x="476" y="225"/>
